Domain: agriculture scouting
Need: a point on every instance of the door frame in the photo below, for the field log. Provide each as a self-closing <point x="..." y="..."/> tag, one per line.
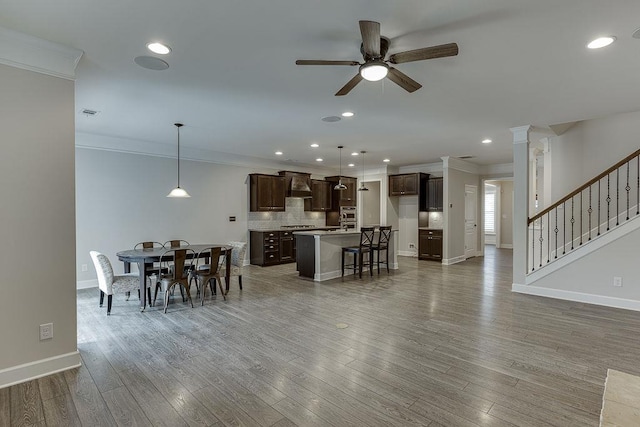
<point x="475" y="250"/>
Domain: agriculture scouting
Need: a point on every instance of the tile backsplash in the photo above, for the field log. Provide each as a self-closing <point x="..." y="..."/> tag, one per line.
<point x="436" y="220"/>
<point x="294" y="214"/>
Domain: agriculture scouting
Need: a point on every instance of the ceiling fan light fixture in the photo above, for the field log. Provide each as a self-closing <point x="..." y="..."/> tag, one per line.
<point x="374" y="70"/>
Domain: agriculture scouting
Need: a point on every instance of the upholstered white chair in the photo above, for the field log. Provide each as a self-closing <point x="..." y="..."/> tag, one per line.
<point x="110" y="283"/>
<point x="237" y="260"/>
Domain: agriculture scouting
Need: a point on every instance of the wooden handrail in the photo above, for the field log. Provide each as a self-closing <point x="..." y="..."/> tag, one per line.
<point x="586" y="185"/>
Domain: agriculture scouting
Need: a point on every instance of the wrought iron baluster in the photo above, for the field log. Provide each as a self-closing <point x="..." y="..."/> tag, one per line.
<point x="590" y="210"/>
<point x="628" y="188"/>
<point x="556" y="231"/>
<point x="573" y="220"/>
<point x="548" y="236"/>
<point x="618" y="196"/>
<point x="599" y="197"/>
<point x="581" y="217"/>
<point x="608" y="200"/>
<point x="564" y="227"/>
<point x="541" y="242"/>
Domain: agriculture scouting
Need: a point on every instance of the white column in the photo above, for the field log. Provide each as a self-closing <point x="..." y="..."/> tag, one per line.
<point x="520" y="201"/>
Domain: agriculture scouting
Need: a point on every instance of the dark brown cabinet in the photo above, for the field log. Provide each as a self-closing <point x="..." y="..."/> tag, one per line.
<point x="407" y="184"/>
<point x="346" y="197"/>
<point x="435" y="195"/>
<point x="430" y="244"/>
<point x="272" y="247"/>
<point x="267" y="193"/>
<point x="320" y="200"/>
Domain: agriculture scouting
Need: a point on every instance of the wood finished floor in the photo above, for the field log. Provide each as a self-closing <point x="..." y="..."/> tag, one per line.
<point x="428" y="345"/>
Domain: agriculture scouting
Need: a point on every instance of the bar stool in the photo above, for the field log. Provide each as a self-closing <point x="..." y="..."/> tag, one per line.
<point x="383" y="245"/>
<point x="366" y="243"/>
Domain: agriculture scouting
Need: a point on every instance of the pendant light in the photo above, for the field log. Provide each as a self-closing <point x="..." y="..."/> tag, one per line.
<point x="178" y="191"/>
<point x="362" y="187"/>
<point x="340" y="186"/>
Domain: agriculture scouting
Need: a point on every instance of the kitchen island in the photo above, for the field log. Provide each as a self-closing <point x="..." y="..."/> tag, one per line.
<point x="319" y="253"/>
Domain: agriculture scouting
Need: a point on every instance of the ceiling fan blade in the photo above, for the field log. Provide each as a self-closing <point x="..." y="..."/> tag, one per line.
<point x="323" y="62"/>
<point x="370" y="31"/>
<point x="402" y="80"/>
<point x="441" y="51"/>
<point x="350" y="85"/>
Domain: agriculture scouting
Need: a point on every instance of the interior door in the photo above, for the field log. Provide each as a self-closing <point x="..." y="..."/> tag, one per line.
<point x="470" y="220"/>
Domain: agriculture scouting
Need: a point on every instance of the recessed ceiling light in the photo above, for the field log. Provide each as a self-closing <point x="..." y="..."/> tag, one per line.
<point x="351" y="165"/>
<point x="386" y="160"/>
<point x="314" y="145"/>
<point x="347" y="114"/>
<point x="355" y="153"/>
<point x="159" y="48"/>
<point x="601" y="42"/>
<point x="278" y="153"/>
<point x="331" y="119"/>
<point x="318" y="159"/>
<point x="151" y="63"/>
<point x="487" y="141"/>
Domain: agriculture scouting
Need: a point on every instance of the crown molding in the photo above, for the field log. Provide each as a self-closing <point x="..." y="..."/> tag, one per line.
<point x="461" y="165"/>
<point x="30" y="53"/>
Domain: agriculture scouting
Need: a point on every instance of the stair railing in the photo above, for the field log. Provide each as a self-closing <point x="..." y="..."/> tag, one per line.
<point x="584" y="214"/>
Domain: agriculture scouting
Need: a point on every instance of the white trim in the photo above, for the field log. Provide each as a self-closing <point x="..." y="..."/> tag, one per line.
<point x="460" y="165"/>
<point x="425" y="167"/>
<point x="321" y="277"/>
<point x="30" y="53"/>
<point x="412" y="254"/>
<point x="498" y="169"/>
<point x="506" y="246"/>
<point x="521" y="134"/>
<point x="86" y="284"/>
<point x="39" y="368"/>
<point x="577" y="296"/>
<point x="450" y="261"/>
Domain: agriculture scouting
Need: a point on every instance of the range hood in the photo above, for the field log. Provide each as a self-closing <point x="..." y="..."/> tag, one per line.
<point x="298" y="184"/>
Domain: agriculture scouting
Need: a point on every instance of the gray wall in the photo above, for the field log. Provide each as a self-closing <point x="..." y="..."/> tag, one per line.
<point x="121" y="200"/>
<point x="370" y="203"/>
<point x="506" y="213"/>
<point x="37" y="218"/>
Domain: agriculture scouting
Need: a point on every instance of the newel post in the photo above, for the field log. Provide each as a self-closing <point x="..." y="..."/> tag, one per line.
<point x="520" y="202"/>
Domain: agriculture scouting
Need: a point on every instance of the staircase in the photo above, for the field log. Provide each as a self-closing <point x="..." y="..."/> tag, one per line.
<point x="598" y="212"/>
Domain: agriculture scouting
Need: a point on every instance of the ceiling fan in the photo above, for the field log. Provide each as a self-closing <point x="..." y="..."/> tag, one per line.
<point x="374" y="49"/>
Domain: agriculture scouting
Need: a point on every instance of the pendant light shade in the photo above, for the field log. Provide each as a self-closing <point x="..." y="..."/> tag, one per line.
<point x="340" y="186"/>
<point x="362" y="186"/>
<point x="178" y="191"/>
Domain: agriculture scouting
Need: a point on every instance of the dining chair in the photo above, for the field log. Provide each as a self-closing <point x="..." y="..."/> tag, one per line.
<point x="109" y="283"/>
<point x="383" y="245"/>
<point x="207" y="269"/>
<point x="237" y="261"/>
<point x="175" y="244"/>
<point x="150" y="268"/>
<point x="177" y="263"/>
<point x="364" y="248"/>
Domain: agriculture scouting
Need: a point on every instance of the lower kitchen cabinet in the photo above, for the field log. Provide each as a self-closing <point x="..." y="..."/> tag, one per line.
<point x="272" y="247"/>
<point x="430" y="244"/>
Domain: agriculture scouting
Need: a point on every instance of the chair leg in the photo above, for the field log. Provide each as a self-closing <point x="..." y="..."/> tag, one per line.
<point x="128" y="294"/>
<point x="387" y="258"/>
<point x="355" y="263"/>
<point x="149" y="296"/>
<point x="109" y="301"/>
<point x="371" y="264"/>
<point x="155" y="294"/>
<point x="101" y="297"/>
<point x="360" y="259"/>
<point x="240" y="281"/>
<point x="342" y="263"/>
<point x="224" y="294"/>
<point x="378" y="263"/>
<point x="166" y="297"/>
<point x="188" y="294"/>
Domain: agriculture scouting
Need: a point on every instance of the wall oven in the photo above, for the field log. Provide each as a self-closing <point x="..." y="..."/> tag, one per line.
<point x="348" y="217"/>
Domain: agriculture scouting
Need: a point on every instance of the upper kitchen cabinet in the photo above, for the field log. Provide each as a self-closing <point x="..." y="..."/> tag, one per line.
<point x="320" y="200"/>
<point x="340" y="198"/>
<point x="267" y="193"/>
<point x="407" y="184"/>
<point x="435" y="196"/>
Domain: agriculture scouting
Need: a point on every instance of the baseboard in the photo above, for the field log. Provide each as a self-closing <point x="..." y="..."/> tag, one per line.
<point x="451" y="261"/>
<point x="338" y="273"/>
<point x="86" y="284"/>
<point x="506" y="246"/>
<point x="576" y="296"/>
<point x="408" y="253"/>
<point x="39" y="368"/>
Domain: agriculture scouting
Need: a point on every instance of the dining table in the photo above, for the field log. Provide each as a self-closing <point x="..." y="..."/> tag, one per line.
<point x="148" y="256"/>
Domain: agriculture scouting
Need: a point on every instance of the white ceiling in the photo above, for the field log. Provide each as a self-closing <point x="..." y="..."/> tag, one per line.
<point x="233" y="81"/>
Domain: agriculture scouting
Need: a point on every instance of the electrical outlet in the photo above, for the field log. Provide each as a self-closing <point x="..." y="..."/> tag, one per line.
<point x="412" y="246"/>
<point x="84" y="267"/>
<point x="46" y="331"/>
<point x="617" y="281"/>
